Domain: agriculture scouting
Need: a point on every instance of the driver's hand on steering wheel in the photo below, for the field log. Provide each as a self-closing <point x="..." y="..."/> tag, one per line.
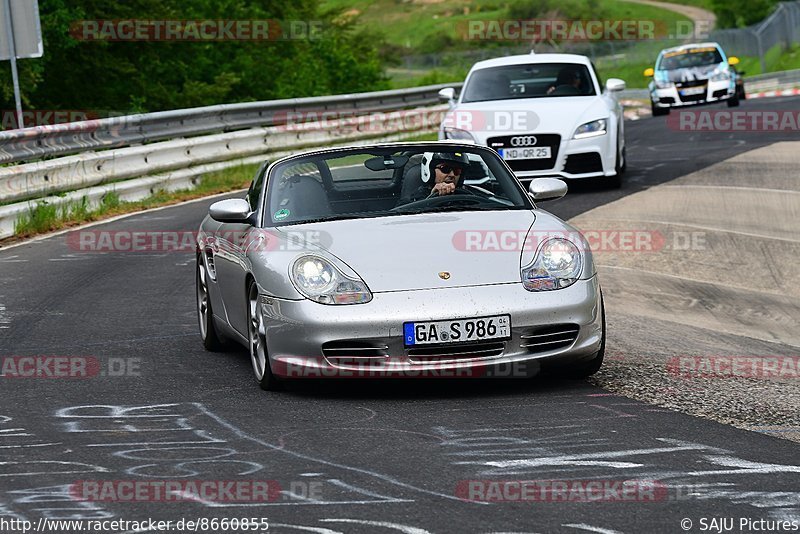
<point x="443" y="188"/>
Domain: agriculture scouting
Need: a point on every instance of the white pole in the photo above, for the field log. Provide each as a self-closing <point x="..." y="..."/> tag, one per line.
<point x="13" y="52"/>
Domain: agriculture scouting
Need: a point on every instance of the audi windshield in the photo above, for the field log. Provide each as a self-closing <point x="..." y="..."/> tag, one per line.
<point x="529" y="81"/>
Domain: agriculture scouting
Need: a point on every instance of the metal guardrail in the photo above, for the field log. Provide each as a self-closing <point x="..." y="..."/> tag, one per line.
<point x="62" y="139"/>
<point x="133" y="173"/>
<point x="781" y="27"/>
<point x="171" y="149"/>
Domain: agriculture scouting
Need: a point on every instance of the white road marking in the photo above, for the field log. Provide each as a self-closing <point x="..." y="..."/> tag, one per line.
<point x="396" y="526"/>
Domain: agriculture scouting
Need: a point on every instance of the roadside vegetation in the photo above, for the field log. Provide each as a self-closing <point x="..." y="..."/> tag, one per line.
<point x="46" y="217"/>
<point x="107" y="77"/>
<point x="424" y="41"/>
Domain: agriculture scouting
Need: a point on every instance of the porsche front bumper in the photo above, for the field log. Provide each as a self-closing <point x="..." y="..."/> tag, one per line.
<point x="307" y="339"/>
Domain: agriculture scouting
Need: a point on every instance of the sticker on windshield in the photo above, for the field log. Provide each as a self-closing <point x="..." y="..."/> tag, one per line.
<point x="281" y="214"/>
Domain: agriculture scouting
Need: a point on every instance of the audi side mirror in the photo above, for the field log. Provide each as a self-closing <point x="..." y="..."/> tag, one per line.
<point x="448" y="94"/>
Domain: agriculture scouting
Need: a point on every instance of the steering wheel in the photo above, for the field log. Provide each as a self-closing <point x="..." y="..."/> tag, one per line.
<point x="459" y="196"/>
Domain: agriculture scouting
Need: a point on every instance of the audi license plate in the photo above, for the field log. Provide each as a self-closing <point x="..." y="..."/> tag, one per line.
<point x="538" y="152"/>
<point x="457" y="330"/>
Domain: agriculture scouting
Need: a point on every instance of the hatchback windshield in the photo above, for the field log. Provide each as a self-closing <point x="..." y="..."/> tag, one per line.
<point x="693" y="57"/>
<point x="390" y="181"/>
<point x="529" y="81"/>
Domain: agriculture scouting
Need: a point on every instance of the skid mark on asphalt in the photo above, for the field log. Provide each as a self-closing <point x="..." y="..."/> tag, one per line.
<point x="589" y="528"/>
<point x="188" y="441"/>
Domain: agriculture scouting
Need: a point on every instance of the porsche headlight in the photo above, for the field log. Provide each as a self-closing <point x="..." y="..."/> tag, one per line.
<point x="591" y="129"/>
<point x="664" y="84"/>
<point x="458" y="134"/>
<point x="557" y="265"/>
<point x="319" y="280"/>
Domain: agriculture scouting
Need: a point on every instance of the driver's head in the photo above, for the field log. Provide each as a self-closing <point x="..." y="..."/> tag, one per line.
<point x="569" y="76"/>
<point x="448" y="167"/>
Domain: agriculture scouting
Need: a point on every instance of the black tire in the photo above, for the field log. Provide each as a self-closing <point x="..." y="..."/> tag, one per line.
<point x="615" y="182"/>
<point x="658" y="112"/>
<point x="212" y="341"/>
<point x="733" y="101"/>
<point x="257" y="344"/>
<point x="586" y="369"/>
<point x="741" y="92"/>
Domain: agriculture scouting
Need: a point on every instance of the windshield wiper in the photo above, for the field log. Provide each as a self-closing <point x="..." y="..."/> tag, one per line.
<point x="441" y="209"/>
<point x="332" y="218"/>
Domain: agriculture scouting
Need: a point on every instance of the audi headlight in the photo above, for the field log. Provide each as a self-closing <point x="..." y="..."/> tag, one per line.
<point x="319" y="280"/>
<point x="557" y="265"/>
<point x="664" y="84"/>
<point x="591" y="129"/>
<point x="458" y="134"/>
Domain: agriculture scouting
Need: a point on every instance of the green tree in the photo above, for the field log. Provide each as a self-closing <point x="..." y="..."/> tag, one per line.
<point x="129" y="76"/>
<point x="741" y="13"/>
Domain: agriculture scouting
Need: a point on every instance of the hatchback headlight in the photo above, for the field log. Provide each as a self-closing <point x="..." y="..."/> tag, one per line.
<point x="557" y="265"/>
<point x="664" y="84"/>
<point x="721" y="76"/>
<point x="591" y="129"/>
<point x="458" y="134"/>
<point x="319" y="280"/>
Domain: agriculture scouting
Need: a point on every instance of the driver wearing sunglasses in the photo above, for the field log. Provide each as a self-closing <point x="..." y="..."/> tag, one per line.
<point x="441" y="173"/>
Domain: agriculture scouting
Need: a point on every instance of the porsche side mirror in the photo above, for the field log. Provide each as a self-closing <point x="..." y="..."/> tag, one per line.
<point x="648" y="73"/>
<point x="448" y="94"/>
<point x="232" y="210"/>
<point x="547" y="189"/>
<point x="614" y="85"/>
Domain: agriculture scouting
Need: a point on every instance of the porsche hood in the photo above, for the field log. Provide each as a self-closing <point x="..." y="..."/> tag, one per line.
<point x="428" y="251"/>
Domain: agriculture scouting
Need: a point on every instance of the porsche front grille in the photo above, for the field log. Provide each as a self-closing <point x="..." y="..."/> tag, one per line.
<point x="445" y="353"/>
<point x="552" y="337"/>
<point x="346" y="352"/>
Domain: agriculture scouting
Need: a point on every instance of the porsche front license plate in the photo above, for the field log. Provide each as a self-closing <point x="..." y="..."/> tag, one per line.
<point x="539" y="152"/>
<point x="457" y="330"/>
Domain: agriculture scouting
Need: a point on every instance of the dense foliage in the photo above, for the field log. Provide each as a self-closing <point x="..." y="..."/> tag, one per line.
<point x="741" y="13"/>
<point x="127" y="76"/>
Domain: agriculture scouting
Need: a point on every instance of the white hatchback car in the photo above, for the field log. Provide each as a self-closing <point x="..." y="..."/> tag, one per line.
<point x="546" y="114"/>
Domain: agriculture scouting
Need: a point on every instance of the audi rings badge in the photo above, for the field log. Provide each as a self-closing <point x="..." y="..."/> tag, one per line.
<point x="523" y="140"/>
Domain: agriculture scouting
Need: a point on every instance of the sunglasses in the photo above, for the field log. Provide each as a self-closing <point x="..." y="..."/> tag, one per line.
<point x="447" y="169"/>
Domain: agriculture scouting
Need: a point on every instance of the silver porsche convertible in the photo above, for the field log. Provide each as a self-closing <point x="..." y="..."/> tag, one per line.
<point x="398" y="260"/>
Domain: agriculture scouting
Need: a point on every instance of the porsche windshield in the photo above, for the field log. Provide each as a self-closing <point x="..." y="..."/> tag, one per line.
<point x="528" y="81"/>
<point x="687" y="59"/>
<point x="389" y="181"/>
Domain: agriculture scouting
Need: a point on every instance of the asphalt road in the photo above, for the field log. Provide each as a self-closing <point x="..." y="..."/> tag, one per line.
<point x="363" y="456"/>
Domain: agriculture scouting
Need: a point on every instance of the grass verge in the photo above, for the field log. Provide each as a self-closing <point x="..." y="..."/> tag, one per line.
<point x="46" y="217"/>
